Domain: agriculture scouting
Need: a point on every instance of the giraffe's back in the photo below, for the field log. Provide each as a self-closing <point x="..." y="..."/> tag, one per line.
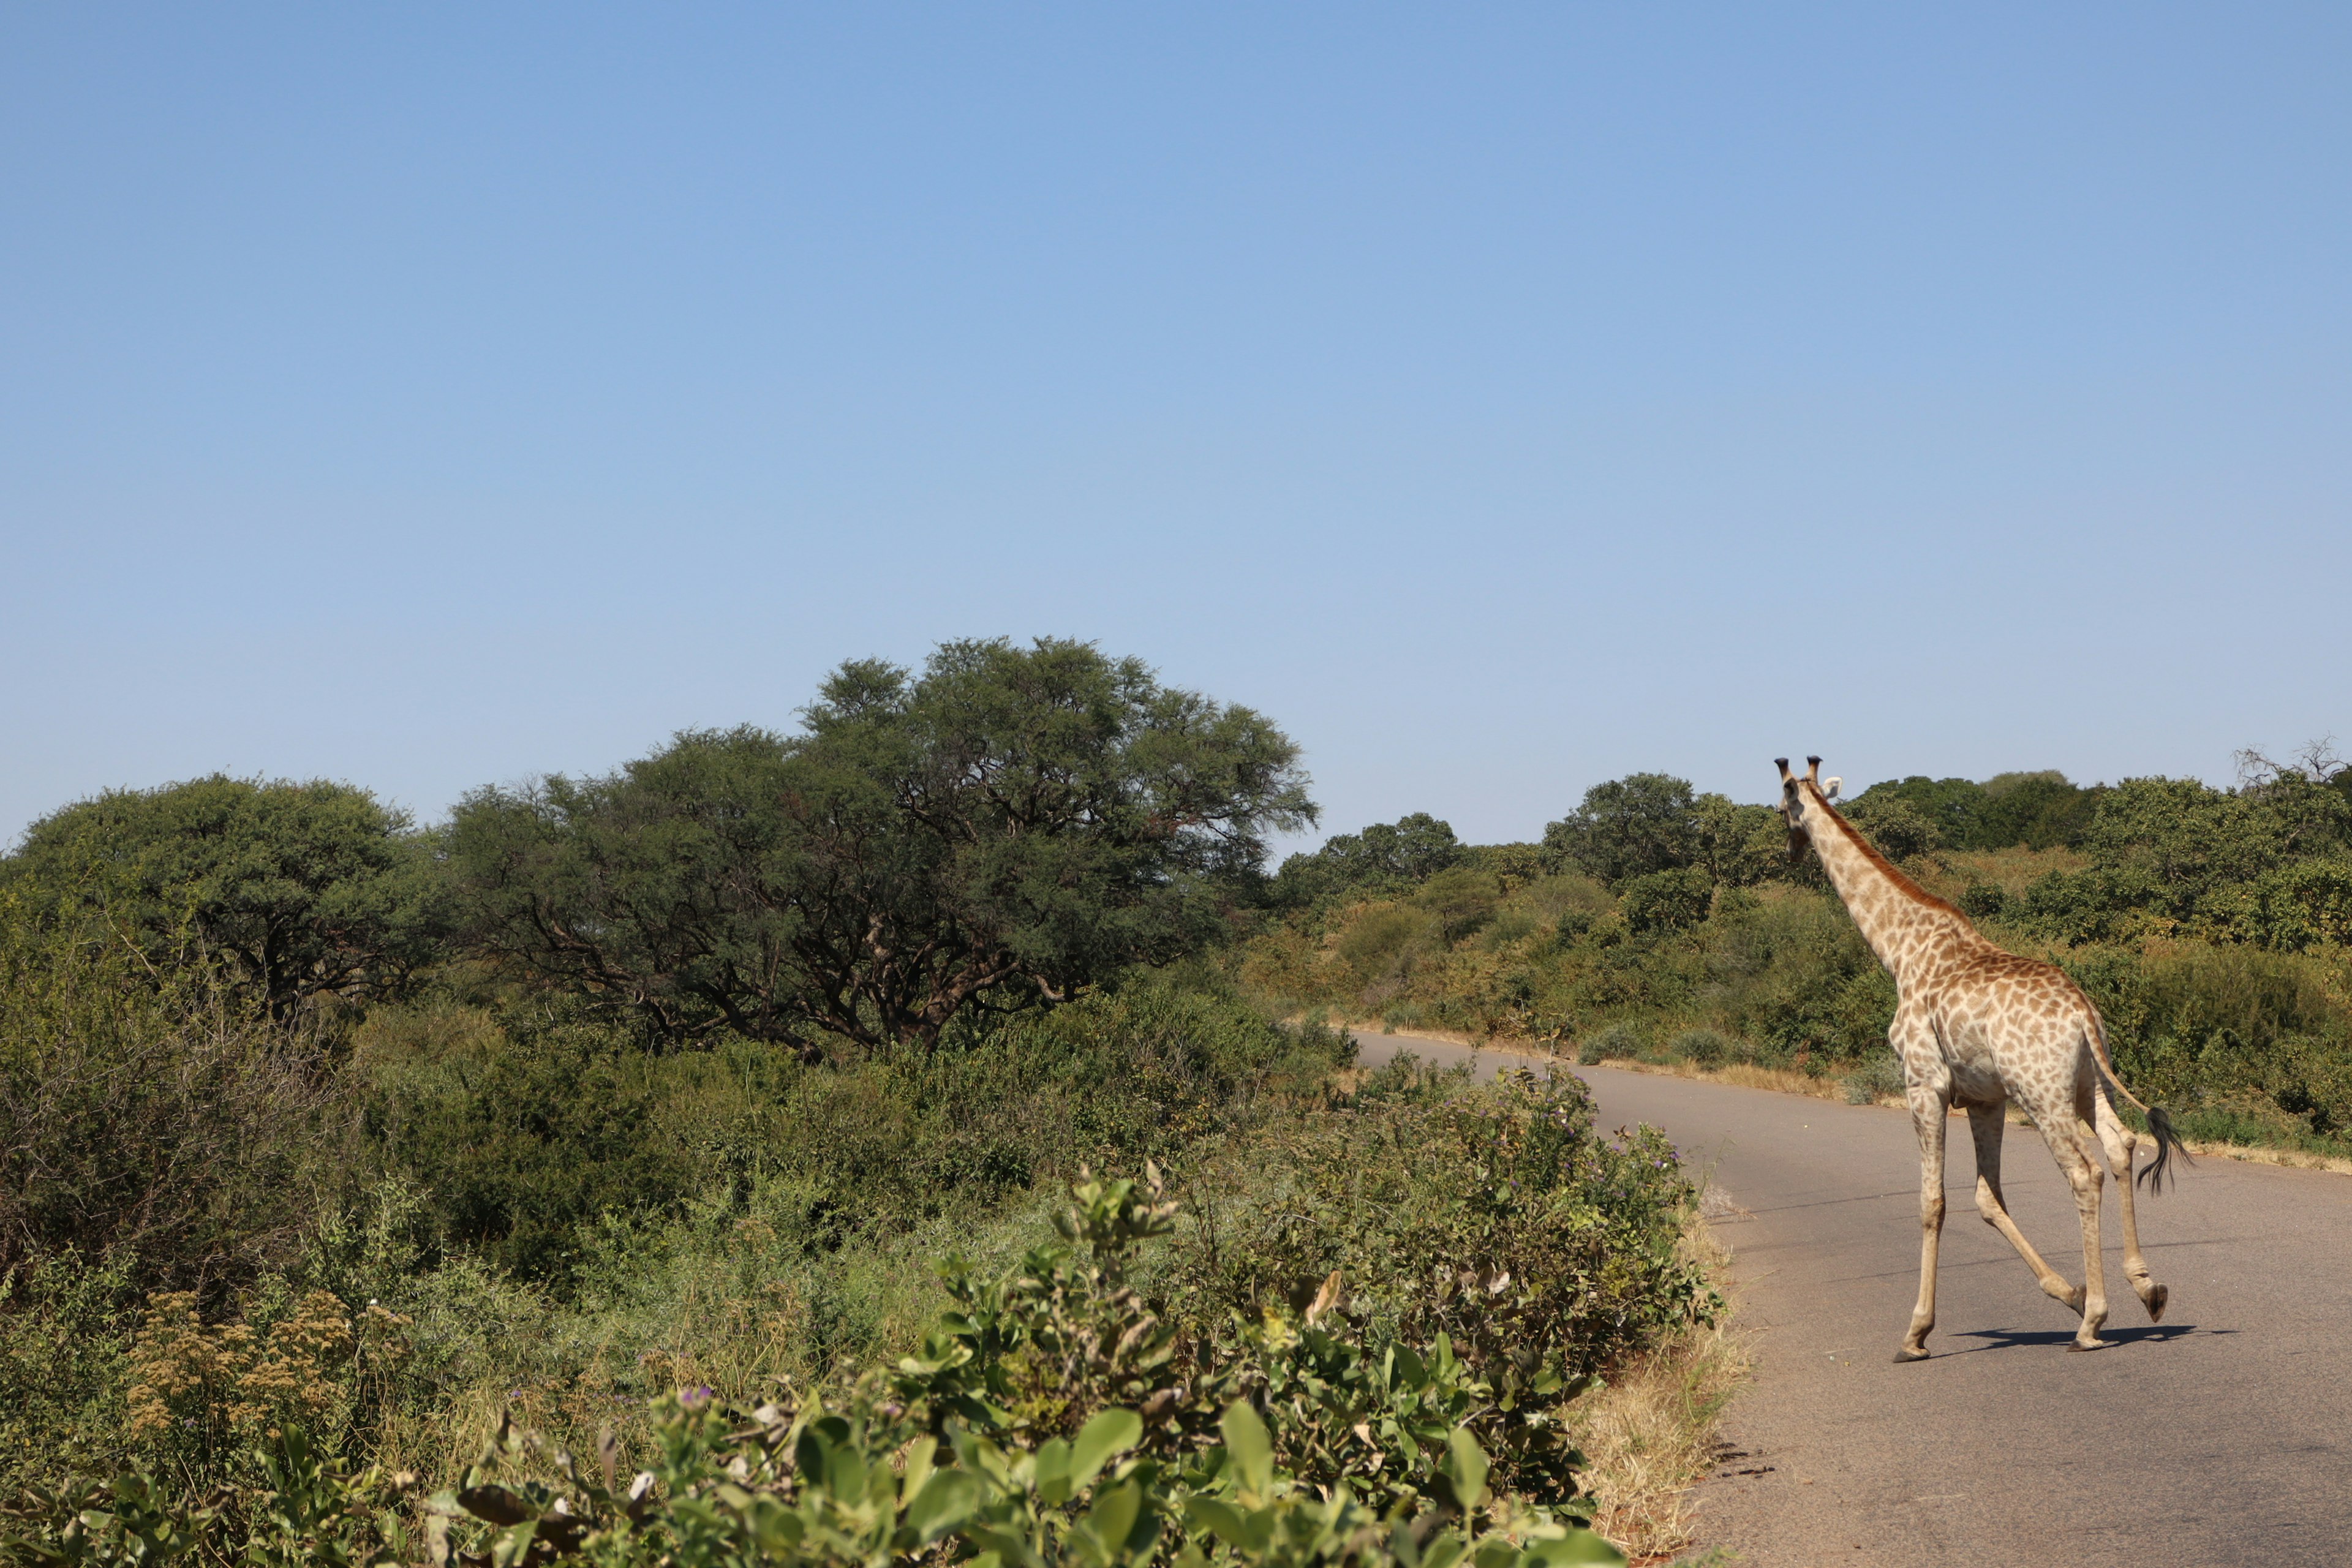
<point x="2014" y="1028"/>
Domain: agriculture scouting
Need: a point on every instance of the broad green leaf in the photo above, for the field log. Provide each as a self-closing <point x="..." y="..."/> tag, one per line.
<point x="1253" y="1449"/>
<point x="1469" y="1466"/>
<point x="844" y="1474"/>
<point x="1443" y="1550"/>
<point x="1221" y="1519"/>
<point x="1494" y="1551"/>
<point x="920" y="1455"/>
<point x="1004" y="1543"/>
<point x="776" y="1528"/>
<point x="1110" y="1433"/>
<point x="947" y="1499"/>
<point x="1577" y="1547"/>
<point x="1051" y="1471"/>
<point x="1113" y="1516"/>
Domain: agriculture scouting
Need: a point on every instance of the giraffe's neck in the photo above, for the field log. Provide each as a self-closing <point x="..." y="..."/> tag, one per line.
<point x="1909" y="931"/>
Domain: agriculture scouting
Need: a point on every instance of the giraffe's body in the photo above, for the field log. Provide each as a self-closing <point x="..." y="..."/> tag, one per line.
<point x="1978" y="1027"/>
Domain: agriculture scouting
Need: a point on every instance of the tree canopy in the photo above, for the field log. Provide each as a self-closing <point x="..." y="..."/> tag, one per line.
<point x="1387" y="855"/>
<point x="302" y="888"/>
<point x="1008" y="826"/>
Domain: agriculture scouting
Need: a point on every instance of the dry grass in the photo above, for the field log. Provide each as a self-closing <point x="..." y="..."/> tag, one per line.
<point x="1649" y="1432"/>
<point x="2300" y="1159"/>
<point x="1744" y="1075"/>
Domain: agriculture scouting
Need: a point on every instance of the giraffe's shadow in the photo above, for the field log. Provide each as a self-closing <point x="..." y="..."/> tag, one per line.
<point x="2049" y="1339"/>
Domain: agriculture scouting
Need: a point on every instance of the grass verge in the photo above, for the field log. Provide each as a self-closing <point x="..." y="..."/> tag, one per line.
<point x="1649" y="1432"/>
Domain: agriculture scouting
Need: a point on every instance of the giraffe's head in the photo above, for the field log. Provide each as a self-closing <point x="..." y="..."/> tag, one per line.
<point x="1799" y="798"/>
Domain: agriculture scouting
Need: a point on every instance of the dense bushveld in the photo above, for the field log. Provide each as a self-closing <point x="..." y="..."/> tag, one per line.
<point x="2211" y="927"/>
<point x="722" y="1119"/>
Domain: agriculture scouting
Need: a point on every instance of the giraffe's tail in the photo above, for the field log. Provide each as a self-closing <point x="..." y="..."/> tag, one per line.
<point x="2159" y="1120"/>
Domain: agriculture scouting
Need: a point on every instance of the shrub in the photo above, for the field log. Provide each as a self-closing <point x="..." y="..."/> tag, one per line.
<point x="1617" y="1041"/>
<point x="1895" y="827"/>
<point x="1882" y="1075"/>
<point x="1704" y="1048"/>
<point x="1666" y="901"/>
<point x="1052" y="1416"/>
<point x="157" y="1120"/>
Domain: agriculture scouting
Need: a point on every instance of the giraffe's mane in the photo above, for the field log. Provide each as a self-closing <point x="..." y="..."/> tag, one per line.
<point x="1886" y="867"/>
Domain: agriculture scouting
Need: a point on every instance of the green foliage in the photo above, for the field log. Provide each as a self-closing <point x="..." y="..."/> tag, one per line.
<point x="530" y="1132"/>
<point x="1462" y="900"/>
<point x="1632" y="826"/>
<point x="2260" y="865"/>
<point x="1879" y="1076"/>
<point x="1620" y="1041"/>
<point x="1386" y="858"/>
<point x="157" y="1124"/>
<point x="297" y="890"/>
<point x="1015" y="1434"/>
<point x="1665" y="901"/>
<point x="1706" y="1047"/>
<point x="2038" y="810"/>
<point x="1647" y="824"/>
<point x="529" y="1140"/>
<point x="1007" y="827"/>
<point x="1895" y="827"/>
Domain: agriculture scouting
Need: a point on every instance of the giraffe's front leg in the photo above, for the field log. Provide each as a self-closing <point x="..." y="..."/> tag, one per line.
<point x="1929" y="1105"/>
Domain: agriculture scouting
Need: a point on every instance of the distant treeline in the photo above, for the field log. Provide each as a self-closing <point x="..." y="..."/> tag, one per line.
<point x="2211" y="925"/>
<point x="1003" y="828"/>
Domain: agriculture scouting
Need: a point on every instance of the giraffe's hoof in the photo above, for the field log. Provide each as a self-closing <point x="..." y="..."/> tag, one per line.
<point x="2088" y="1344"/>
<point x="1910" y="1352"/>
<point x="2155" y="1302"/>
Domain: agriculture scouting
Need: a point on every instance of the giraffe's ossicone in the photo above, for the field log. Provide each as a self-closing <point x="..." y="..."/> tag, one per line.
<point x="1978" y="1028"/>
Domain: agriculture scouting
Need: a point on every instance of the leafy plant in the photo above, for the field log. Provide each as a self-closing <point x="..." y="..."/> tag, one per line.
<point x="906" y="1464"/>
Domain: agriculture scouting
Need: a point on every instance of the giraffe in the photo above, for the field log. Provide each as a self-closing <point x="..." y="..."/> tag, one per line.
<point x="1976" y="1027"/>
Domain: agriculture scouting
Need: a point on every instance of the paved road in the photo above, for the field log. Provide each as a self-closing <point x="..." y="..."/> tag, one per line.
<point x="2222" y="1437"/>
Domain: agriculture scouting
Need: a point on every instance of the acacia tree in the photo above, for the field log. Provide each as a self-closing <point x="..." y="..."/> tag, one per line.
<point x="302" y="888"/>
<point x="1010" y="825"/>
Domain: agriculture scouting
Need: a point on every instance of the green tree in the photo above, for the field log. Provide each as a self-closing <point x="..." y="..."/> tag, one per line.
<point x="1632" y="826"/>
<point x="1895" y="826"/>
<point x="1387" y="856"/>
<point x="1665" y="901"/>
<point x="1740" y="845"/>
<point x="2037" y="810"/>
<point x="1012" y="825"/>
<point x="302" y="888"/>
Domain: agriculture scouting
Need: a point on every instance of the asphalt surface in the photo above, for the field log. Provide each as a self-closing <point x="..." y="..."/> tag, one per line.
<point x="2222" y="1435"/>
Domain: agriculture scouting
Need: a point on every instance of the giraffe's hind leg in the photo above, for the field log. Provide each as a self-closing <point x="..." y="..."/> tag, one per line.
<point x="2119" y="1141"/>
<point x="1985" y="1128"/>
<point x="2086" y="1178"/>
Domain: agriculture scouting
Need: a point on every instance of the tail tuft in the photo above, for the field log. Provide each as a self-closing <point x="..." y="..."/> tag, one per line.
<point x="2168" y="1143"/>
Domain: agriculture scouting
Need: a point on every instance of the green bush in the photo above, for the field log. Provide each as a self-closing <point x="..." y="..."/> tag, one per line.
<point x="1705" y="1047"/>
<point x="1665" y="901"/>
<point x="158" y="1125"/>
<point x="1617" y="1041"/>
<point x="1295" y="1441"/>
<point x="530" y="1128"/>
<point x="1881" y="1075"/>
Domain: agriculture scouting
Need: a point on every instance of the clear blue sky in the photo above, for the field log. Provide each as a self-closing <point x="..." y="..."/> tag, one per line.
<point x="1504" y="398"/>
